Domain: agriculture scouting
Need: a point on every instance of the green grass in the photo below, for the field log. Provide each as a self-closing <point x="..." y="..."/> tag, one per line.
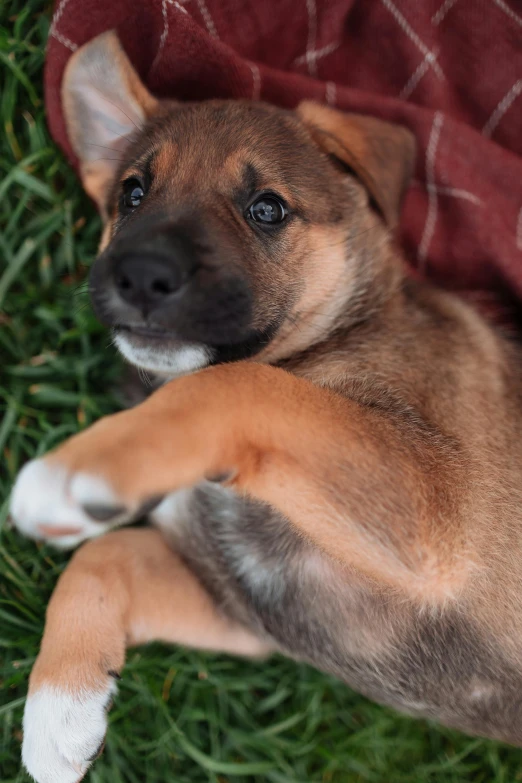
<point x="180" y="716"/>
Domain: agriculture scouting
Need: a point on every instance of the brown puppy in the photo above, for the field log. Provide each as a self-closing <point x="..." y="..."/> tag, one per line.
<point x="347" y="493"/>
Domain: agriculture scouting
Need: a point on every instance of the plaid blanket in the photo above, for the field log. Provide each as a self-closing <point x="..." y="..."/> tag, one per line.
<point x="451" y="70"/>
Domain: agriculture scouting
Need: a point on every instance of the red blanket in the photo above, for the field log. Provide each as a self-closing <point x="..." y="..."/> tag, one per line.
<point x="451" y="70"/>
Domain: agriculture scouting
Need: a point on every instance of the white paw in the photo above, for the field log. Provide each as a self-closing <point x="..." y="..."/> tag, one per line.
<point x="49" y="504"/>
<point x="63" y="734"/>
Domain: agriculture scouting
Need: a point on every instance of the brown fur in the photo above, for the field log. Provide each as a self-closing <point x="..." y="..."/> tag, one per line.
<point x="372" y="448"/>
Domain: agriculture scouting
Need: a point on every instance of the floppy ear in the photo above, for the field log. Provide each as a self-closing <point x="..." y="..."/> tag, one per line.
<point x="381" y="155"/>
<point x="105" y="103"/>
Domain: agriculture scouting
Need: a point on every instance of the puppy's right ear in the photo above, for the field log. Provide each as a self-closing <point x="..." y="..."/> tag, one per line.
<point x="105" y="104"/>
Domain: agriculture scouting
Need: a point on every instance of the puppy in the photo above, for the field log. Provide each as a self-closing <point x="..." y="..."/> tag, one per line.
<point x="340" y="480"/>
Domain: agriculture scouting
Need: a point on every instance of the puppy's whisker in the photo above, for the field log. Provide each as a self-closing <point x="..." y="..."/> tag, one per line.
<point x="82" y="288"/>
<point x="145" y="377"/>
<point x="366" y="231"/>
<point x="80" y="309"/>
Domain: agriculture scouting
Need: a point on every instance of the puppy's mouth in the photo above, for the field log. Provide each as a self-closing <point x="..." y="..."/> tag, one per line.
<point x="165" y="352"/>
<point x="159" y="350"/>
<point x="147" y="332"/>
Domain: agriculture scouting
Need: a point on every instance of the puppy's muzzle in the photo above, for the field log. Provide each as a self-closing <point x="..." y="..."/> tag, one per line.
<point x="176" y="279"/>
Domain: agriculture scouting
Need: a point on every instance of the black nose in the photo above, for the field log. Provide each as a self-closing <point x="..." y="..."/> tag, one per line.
<point x="146" y="282"/>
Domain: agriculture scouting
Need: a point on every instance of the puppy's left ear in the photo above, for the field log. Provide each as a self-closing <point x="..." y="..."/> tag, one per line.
<point x="105" y="105"/>
<point x="380" y="154"/>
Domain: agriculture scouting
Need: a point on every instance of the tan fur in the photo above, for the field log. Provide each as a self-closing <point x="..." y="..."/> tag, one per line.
<point x="193" y="429"/>
<point x="382" y="154"/>
<point x="103" y="591"/>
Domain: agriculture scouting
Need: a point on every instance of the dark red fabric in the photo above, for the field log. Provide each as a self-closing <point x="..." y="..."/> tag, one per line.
<point x="451" y="70"/>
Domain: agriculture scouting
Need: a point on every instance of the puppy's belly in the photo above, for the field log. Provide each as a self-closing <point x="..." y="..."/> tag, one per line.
<point x="260" y="573"/>
<point x="249" y="559"/>
<point x="212" y="529"/>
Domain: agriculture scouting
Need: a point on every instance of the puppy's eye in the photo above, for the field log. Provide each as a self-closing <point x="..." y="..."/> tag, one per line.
<point x="133" y="193"/>
<point x="267" y="210"/>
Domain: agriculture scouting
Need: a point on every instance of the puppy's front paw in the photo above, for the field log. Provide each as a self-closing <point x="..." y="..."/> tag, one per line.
<point x="49" y="503"/>
<point x="64" y="733"/>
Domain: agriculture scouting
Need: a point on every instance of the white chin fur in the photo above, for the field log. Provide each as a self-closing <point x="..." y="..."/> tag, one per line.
<point x="179" y="360"/>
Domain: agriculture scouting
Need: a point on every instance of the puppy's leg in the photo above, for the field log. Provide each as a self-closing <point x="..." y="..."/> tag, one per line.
<point x="124" y="589"/>
<point x="368" y="484"/>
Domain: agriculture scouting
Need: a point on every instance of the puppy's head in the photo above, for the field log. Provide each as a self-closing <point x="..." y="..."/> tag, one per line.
<point x="232" y="229"/>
